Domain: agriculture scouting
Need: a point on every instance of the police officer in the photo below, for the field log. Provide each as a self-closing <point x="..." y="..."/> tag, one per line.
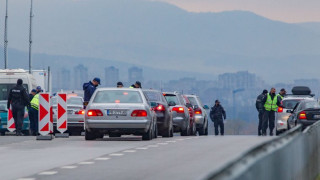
<point x="19" y="99"/>
<point x="282" y="93"/>
<point x="271" y="104"/>
<point x="217" y="114"/>
<point x="119" y="84"/>
<point x="136" y="85"/>
<point x="89" y="89"/>
<point x="33" y="112"/>
<point x="260" y="109"/>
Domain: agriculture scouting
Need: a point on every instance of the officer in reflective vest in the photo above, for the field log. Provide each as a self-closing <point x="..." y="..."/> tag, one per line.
<point x="271" y="104"/>
<point x="281" y="94"/>
<point x="33" y="114"/>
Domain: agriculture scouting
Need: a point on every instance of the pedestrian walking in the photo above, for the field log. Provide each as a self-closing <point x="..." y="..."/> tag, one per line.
<point x="34" y="112"/>
<point x="260" y="109"/>
<point x="217" y="115"/>
<point x="271" y="104"/>
<point x="119" y="85"/>
<point x="89" y="89"/>
<point x="18" y="99"/>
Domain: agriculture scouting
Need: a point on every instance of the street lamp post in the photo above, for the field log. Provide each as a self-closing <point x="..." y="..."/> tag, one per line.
<point x="6" y="38"/>
<point x="234" y="99"/>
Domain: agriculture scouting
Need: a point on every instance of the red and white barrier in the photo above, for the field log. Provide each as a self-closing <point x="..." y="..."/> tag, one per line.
<point x="62" y="124"/>
<point x="10" y="121"/>
<point x="44" y="114"/>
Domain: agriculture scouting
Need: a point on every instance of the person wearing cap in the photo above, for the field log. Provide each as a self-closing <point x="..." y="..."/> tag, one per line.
<point x="32" y="94"/>
<point x="34" y="111"/>
<point x="260" y="109"/>
<point x="281" y="94"/>
<point x="136" y="85"/>
<point x="271" y="103"/>
<point x="89" y="89"/>
<point x="18" y="99"/>
<point x="119" y="85"/>
<point x="217" y="115"/>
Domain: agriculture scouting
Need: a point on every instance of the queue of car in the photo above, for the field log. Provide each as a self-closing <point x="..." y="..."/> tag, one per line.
<point x="300" y="107"/>
<point x="146" y="113"/>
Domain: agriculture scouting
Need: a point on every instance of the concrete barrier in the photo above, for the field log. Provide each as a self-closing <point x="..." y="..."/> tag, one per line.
<point x="295" y="155"/>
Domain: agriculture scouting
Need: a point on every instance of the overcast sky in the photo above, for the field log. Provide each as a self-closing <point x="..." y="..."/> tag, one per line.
<point x="284" y="10"/>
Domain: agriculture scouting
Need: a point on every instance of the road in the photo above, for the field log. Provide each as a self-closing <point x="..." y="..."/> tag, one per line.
<point x="191" y="157"/>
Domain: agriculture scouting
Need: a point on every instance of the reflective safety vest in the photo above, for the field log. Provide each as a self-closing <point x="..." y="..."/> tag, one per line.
<point x="280" y="96"/>
<point x="35" y="102"/>
<point x="131" y="87"/>
<point x="271" y="105"/>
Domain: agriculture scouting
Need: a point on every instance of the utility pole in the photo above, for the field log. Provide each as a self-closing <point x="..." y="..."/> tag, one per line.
<point x="6" y="38"/>
<point x="30" y="39"/>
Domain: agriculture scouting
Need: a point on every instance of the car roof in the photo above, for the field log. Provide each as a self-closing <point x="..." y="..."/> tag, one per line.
<point x="120" y="89"/>
<point x="191" y="95"/>
<point x="293" y="97"/>
<point x="150" y="90"/>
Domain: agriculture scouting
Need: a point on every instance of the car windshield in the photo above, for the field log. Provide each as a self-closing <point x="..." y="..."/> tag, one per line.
<point x="117" y="96"/>
<point x="290" y="104"/>
<point x="310" y="104"/>
<point x="75" y="101"/>
<point x="152" y="96"/>
<point x="172" y="98"/>
<point x="5" y="88"/>
<point x="193" y="101"/>
<point x="3" y="106"/>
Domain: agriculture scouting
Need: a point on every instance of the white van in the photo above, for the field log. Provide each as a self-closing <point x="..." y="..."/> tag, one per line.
<point x="9" y="77"/>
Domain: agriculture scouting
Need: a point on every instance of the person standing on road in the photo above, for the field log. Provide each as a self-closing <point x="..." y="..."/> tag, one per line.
<point x="32" y="94"/>
<point x="33" y="112"/>
<point x="18" y="98"/>
<point x="217" y="115"/>
<point x="136" y="85"/>
<point x="281" y="94"/>
<point x="119" y="85"/>
<point x="271" y="104"/>
<point x="260" y="109"/>
<point x="89" y="89"/>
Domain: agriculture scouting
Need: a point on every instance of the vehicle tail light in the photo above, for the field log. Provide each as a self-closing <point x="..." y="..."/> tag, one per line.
<point x="139" y="113"/>
<point x="178" y="109"/>
<point x="80" y="112"/>
<point x="160" y="107"/>
<point x="302" y="115"/>
<point x="198" y="111"/>
<point x="94" y="112"/>
<point x="280" y="109"/>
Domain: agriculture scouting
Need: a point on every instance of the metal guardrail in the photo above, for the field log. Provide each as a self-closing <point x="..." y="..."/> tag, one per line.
<point x="294" y="155"/>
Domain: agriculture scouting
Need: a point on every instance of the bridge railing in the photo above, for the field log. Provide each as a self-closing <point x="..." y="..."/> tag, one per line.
<point x="295" y="155"/>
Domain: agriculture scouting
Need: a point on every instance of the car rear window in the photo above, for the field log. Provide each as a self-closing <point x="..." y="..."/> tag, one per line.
<point x="290" y="104"/>
<point x="193" y="101"/>
<point x="75" y="101"/>
<point x="117" y="96"/>
<point x="172" y="98"/>
<point x="152" y="96"/>
<point x="310" y="104"/>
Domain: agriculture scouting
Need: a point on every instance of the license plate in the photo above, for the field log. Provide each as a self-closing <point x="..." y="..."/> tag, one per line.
<point x="316" y="116"/>
<point x="70" y="111"/>
<point x="116" y="112"/>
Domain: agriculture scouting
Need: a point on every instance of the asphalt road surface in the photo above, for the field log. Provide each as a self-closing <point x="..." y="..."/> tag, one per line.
<point x="192" y="157"/>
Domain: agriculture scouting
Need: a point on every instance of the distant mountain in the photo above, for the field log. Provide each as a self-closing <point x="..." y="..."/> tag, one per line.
<point x="162" y="36"/>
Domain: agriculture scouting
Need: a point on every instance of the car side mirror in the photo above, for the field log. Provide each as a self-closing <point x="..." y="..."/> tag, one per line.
<point x="195" y="107"/>
<point x="153" y="104"/>
<point x="206" y="107"/>
<point x="289" y="111"/>
<point x="171" y="103"/>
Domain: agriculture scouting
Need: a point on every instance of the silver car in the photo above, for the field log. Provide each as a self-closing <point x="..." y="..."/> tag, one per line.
<point x="75" y="114"/>
<point x="180" y="113"/>
<point x="200" y="113"/>
<point x="119" y="111"/>
<point x="283" y="112"/>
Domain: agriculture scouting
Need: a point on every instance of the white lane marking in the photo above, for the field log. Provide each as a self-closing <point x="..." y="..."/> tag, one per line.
<point x="188" y="138"/>
<point x="102" y="159"/>
<point x="171" y="141"/>
<point x="26" y="179"/>
<point x="153" y="146"/>
<point x="142" y="148"/>
<point x="180" y="139"/>
<point x="69" y="167"/>
<point x="162" y="143"/>
<point x="48" y="173"/>
<point x="129" y="151"/>
<point x="86" y="163"/>
<point x="116" y="154"/>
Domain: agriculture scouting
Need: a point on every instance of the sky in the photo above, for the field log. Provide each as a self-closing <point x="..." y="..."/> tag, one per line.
<point x="291" y="11"/>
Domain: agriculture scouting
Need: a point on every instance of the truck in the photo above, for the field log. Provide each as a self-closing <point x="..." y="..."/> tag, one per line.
<point x="9" y="77"/>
